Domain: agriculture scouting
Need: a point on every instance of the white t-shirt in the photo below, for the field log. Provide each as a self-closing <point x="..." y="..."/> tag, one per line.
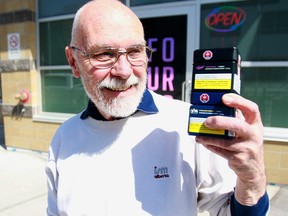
<point x="146" y="164"/>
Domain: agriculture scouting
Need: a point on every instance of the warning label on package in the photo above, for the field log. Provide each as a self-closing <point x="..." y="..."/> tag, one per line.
<point x="213" y="81"/>
<point x="196" y="125"/>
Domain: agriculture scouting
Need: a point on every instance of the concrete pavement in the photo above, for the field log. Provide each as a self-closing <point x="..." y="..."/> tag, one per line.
<point x="23" y="185"/>
<point x="279" y="202"/>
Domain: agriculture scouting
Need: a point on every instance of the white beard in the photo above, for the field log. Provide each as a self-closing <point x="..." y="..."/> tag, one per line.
<point x="115" y="107"/>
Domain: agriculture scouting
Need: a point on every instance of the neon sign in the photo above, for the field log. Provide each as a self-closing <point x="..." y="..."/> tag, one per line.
<point x="225" y="19"/>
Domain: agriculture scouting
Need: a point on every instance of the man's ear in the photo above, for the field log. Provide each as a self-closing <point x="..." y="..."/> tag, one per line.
<point x="72" y="62"/>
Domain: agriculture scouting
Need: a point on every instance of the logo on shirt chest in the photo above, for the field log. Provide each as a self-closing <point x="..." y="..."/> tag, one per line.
<point x="161" y="172"/>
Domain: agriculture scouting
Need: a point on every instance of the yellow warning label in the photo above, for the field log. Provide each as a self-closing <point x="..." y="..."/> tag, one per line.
<point x="197" y="127"/>
<point x="213" y="81"/>
<point x="213" y="84"/>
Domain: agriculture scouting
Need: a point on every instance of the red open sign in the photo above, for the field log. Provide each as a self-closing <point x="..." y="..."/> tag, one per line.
<point x="225" y="18"/>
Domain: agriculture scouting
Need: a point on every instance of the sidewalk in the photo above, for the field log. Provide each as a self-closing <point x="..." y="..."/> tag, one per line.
<point x="279" y="202"/>
<point x="23" y="185"/>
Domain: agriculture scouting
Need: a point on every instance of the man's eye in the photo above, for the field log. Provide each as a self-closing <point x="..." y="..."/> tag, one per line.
<point x="135" y="52"/>
<point x="102" y="56"/>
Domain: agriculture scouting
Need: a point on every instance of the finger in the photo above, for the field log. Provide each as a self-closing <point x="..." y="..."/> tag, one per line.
<point x="233" y="156"/>
<point x="248" y="108"/>
<point x="237" y="125"/>
<point x="238" y="154"/>
<point x="231" y="145"/>
<point x="225" y="153"/>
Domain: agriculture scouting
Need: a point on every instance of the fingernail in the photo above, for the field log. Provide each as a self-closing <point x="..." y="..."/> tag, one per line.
<point x="207" y="121"/>
<point x="228" y="99"/>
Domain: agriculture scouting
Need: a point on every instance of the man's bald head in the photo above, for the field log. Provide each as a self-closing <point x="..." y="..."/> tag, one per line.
<point x="106" y="16"/>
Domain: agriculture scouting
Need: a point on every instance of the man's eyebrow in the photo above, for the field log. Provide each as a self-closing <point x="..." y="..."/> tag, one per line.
<point x="139" y="44"/>
<point x="108" y="46"/>
<point x="97" y="47"/>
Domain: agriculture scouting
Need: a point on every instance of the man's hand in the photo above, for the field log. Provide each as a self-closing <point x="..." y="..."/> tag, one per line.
<point x="245" y="152"/>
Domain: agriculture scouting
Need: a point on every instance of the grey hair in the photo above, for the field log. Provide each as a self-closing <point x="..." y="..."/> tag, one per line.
<point x="75" y="25"/>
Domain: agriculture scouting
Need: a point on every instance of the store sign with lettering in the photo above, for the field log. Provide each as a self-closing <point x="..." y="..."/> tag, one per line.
<point x="167" y="67"/>
<point x="225" y="19"/>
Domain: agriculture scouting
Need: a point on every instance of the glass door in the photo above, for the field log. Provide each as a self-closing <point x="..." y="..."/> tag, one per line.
<point x="171" y="31"/>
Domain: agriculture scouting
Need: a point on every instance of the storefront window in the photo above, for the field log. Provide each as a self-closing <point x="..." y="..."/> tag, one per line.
<point x="54" y="37"/>
<point x="268" y="87"/>
<point x="257" y="29"/>
<point x="61" y="92"/>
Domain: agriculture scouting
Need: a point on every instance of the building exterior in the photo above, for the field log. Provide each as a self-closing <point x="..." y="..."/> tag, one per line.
<point x="39" y="93"/>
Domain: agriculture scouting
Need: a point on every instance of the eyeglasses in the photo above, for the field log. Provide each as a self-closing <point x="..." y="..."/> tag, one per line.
<point x="106" y="57"/>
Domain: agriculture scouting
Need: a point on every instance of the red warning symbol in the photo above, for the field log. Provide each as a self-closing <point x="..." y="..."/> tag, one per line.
<point x="207" y="55"/>
<point x="204" y="98"/>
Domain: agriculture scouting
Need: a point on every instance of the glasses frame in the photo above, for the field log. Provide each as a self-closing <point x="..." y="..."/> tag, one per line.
<point x="120" y="51"/>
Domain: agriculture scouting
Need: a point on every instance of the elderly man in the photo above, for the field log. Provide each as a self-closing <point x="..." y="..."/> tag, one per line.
<point x="129" y="153"/>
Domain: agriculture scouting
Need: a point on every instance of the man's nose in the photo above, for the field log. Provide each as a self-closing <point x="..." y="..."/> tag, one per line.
<point x="122" y="68"/>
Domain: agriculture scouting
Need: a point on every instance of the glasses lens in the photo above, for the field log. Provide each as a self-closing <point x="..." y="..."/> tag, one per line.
<point x="103" y="58"/>
<point x="138" y="55"/>
<point x="149" y="52"/>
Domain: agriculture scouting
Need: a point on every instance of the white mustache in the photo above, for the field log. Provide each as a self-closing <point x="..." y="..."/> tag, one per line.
<point x="117" y="84"/>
